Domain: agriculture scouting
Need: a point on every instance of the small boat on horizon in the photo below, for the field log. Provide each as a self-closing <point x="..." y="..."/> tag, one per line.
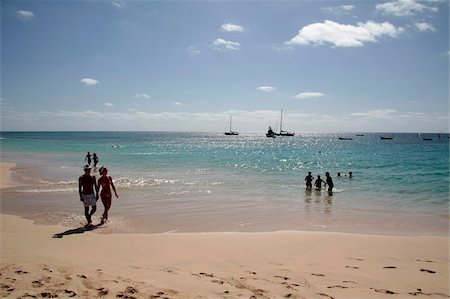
<point x="359" y="135"/>
<point x="386" y="138"/>
<point x="427" y="139"/>
<point x="271" y="134"/>
<point x="231" y="132"/>
<point x="345" y="138"/>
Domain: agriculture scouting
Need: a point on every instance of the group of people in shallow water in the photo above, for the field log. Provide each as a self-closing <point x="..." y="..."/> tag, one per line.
<point x="89" y="188"/>
<point x="318" y="182"/>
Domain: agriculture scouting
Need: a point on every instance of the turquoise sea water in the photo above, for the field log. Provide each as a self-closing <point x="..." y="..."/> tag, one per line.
<point x="209" y="181"/>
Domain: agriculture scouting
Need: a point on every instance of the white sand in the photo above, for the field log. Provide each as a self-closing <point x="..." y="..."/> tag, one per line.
<point x="219" y="265"/>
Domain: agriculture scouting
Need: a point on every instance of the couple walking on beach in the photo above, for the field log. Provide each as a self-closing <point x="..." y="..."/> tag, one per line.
<point x="318" y="183"/>
<point x="87" y="185"/>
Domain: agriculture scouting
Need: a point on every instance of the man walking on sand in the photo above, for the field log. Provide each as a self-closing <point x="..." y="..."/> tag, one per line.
<point x="86" y="186"/>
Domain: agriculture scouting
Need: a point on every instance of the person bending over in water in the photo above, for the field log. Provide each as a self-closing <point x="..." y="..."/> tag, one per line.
<point x="318" y="183"/>
<point x="329" y="182"/>
<point x="105" y="183"/>
<point x="309" y="178"/>
<point x="86" y="186"/>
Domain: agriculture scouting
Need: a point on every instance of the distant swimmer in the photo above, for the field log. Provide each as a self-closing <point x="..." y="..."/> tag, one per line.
<point x="350" y="174"/>
<point x="88" y="158"/>
<point x="318" y="183"/>
<point x="338" y="174"/>
<point x="329" y="182"/>
<point x="105" y="183"/>
<point x="86" y="186"/>
<point x="309" y="178"/>
<point x="95" y="158"/>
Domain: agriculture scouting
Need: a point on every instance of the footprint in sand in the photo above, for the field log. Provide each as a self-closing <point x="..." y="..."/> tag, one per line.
<point x="383" y="291"/>
<point x="282" y="277"/>
<point x="426" y="261"/>
<point x="318" y="274"/>
<point x="325" y="295"/>
<point x="127" y="294"/>
<point x="21" y="272"/>
<point x="428" y="271"/>
<point x="351" y="267"/>
<point x="389" y="267"/>
<point x="37" y="284"/>
<point x="337" y="287"/>
<point x="70" y="293"/>
<point x="102" y="292"/>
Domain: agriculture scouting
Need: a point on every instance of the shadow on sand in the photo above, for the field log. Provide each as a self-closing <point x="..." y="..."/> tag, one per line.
<point x="79" y="230"/>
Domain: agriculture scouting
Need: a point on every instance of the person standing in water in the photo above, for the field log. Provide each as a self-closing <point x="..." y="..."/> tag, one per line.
<point x="329" y="182"/>
<point x="88" y="158"/>
<point x="318" y="183"/>
<point x="95" y="158"/>
<point x="309" y="178"/>
<point x="86" y="186"/>
<point x="105" y="183"/>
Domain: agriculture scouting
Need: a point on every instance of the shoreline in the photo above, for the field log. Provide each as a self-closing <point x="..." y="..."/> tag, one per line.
<point x="219" y="265"/>
<point x="5" y="179"/>
<point x="170" y="215"/>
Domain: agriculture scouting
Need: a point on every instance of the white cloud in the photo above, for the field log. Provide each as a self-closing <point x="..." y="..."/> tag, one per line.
<point x="403" y="8"/>
<point x="142" y="95"/>
<point x="308" y="95"/>
<point x="193" y="50"/>
<point x="341" y="35"/>
<point x="177" y="103"/>
<point x="378" y="113"/>
<point x="109" y="104"/>
<point x="119" y="4"/>
<point x="282" y="47"/>
<point x="423" y="27"/>
<point x="25" y="15"/>
<point x="231" y="28"/>
<point x="338" y="10"/>
<point x="266" y="88"/>
<point x="89" y="81"/>
<point x="221" y="44"/>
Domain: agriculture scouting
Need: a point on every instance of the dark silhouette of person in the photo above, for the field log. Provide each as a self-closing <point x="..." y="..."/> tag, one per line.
<point x="95" y="158"/>
<point x="309" y="178"/>
<point x="105" y="183"/>
<point x="329" y="182"/>
<point x="88" y="158"/>
<point x="86" y="186"/>
<point x="350" y="174"/>
<point x="318" y="183"/>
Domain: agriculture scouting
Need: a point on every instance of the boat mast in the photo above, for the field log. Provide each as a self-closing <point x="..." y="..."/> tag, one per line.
<point x="281" y="121"/>
<point x="230" y="122"/>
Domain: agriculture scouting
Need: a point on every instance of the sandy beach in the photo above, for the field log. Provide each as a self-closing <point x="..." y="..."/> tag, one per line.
<point x="48" y="261"/>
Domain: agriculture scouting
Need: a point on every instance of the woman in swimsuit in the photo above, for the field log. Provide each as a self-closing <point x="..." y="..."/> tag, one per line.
<point x="105" y="183"/>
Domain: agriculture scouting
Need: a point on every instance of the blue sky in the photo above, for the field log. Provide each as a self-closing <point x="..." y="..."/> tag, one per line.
<point x="333" y="66"/>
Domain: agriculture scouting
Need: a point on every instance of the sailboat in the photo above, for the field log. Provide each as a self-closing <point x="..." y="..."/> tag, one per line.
<point x="231" y="132"/>
<point x="283" y="133"/>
